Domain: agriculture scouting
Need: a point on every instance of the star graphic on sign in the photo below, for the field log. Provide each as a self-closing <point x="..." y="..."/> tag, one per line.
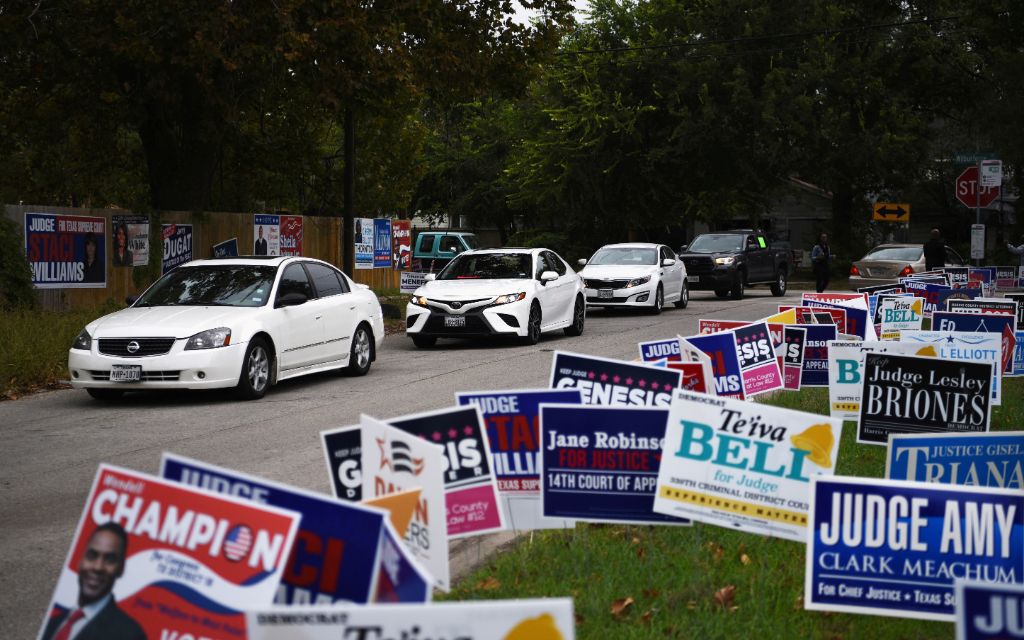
<point x="642" y="384"/>
<point x="655" y="385"/>
<point x="590" y="376"/>
<point x="385" y="463"/>
<point x="468" y="430"/>
<point x="436" y="436"/>
<point x="629" y="381"/>
<point x="616" y="379"/>
<point x="604" y="377"/>
<point x="667" y="387"/>
<point x="452" y="433"/>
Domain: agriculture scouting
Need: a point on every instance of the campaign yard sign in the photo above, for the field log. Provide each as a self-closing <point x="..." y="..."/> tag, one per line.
<point x="135" y="233"/>
<point x="277" y="235"/>
<point x="988" y="611"/>
<point x="893" y="548"/>
<point x="858" y="323"/>
<point x="193" y="562"/>
<point x="928" y="291"/>
<point x="540" y="619"/>
<point x="226" y="249"/>
<point x="901" y="315"/>
<point x="66" y="251"/>
<point x="912" y="394"/>
<point x="742" y="465"/>
<point x="512" y="419"/>
<point x="759" y="366"/>
<point x="696" y="375"/>
<point x="961" y="345"/>
<point x="400" y="577"/>
<point x="943" y="298"/>
<point x="177" y="245"/>
<point x="705" y="326"/>
<point x="660" y="350"/>
<point x="976" y="459"/>
<point x="337" y="549"/>
<point x="998" y="306"/>
<point x="958" y="276"/>
<point x="725" y="362"/>
<point x="815" y="372"/>
<point x="1018" y="298"/>
<point x="471" y="493"/>
<point x="604" y="381"/>
<point x="381" y="243"/>
<point x="363" y="238"/>
<point x="401" y="244"/>
<point x="999" y="324"/>
<point x="410" y="281"/>
<point x="845" y="365"/>
<point x="792" y="355"/>
<point x="343" y="453"/>
<point x="1006" y="277"/>
<point x="600" y="464"/>
<point x="394" y="461"/>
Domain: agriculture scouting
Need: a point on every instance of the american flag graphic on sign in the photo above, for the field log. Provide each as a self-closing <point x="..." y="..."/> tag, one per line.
<point x="237" y="543"/>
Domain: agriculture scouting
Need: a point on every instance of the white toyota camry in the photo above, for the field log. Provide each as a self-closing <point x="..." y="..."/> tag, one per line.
<point x="512" y="292"/>
<point x="244" y="323"/>
<point x="636" y="274"/>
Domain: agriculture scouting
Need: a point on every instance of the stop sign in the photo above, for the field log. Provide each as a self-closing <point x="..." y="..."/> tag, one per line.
<point x="967" y="190"/>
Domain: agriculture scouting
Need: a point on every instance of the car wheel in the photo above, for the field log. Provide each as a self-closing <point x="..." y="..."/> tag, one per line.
<point x="722" y="293"/>
<point x="361" y="353"/>
<point x="106" y="395"/>
<point x="579" y="316"/>
<point x="659" y="301"/>
<point x="684" y="296"/>
<point x="255" y="376"/>
<point x="532" y="326"/>
<point x="779" y="288"/>
<point x="736" y="293"/>
<point x="424" y="342"/>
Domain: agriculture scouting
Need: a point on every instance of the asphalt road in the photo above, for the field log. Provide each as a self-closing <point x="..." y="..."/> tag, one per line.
<point x="54" y="441"/>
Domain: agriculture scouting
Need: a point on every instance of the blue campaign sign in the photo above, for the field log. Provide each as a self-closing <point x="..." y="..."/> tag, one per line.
<point x="815" y="369"/>
<point x="1018" y="354"/>
<point x="335" y="557"/>
<point x="512" y="419"/>
<point x="661" y="350"/>
<point x="930" y="291"/>
<point x="986" y="611"/>
<point x="955" y="294"/>
<point x="894" y="548"/>
<point x="604" y="381"/>
<point x="725" y="362"/>
<point x="177" y="240"/>
<point x="226" y="249"/>
<point x="1004" y="325"/>
<point x="400" y="578"/>
<point x="600" y="464"/>
<point x="381" y="243"/>
<point x="66" y="251"/>
<point x="856" y="317"/>
<point x="976" y="459"/>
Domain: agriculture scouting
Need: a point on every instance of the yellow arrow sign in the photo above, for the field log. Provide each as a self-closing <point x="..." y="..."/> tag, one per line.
<point x="891" y="212"/>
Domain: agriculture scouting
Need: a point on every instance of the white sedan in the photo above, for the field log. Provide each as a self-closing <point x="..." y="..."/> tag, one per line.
<point x="636" y="274"/>
<point x="511" y="292"/>
<point x="244" y="323"/>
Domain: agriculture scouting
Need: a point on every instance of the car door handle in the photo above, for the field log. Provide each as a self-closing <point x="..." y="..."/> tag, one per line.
<point x="318" y="317"/>
<point x="352" y="308"/>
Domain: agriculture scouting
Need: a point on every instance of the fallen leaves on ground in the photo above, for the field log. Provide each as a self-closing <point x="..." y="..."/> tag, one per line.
<point x="621" y="606"/>
<point x="725" y="596"/>
<point x="490" y="584"/>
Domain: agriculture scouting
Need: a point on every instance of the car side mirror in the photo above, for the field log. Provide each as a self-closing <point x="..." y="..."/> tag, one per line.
<point x="667" y="262"/>
<point x="130" y="300"/>
<point x="548" y="276"/>
<point x="454" y="249"/>
<point x="429" y="277"/>
<point x="292" y="299"/>
<point x="582" y="262"/>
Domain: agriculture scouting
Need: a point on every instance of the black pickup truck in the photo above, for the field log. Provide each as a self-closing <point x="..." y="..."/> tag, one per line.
<point x="727" y="262"/>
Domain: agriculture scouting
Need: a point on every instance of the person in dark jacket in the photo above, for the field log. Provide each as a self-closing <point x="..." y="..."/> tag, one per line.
<point x="821" y="259"/>
<point x="934" y="251"/>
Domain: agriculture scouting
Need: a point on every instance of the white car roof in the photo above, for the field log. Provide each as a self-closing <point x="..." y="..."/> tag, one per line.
<point x="266" y="261"/>
<point x="632" y="245"/>
<point x="526" y="250"/>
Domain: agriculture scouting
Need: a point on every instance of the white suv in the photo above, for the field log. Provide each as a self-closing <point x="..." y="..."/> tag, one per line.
<point x="513" y="292"/>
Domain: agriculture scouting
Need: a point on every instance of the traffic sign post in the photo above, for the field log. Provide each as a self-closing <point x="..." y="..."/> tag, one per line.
<point x="969" y="193"/>
<point x="891" y="212"/>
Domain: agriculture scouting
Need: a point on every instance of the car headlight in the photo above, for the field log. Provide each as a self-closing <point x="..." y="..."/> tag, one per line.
<point x="510" y="297"/>
<point x="209" y="339"/>
<point x="727" y="260"/>
<point x="83" y="341"/>
<point x="636" y="282"/>
<point x="419" y="301"/>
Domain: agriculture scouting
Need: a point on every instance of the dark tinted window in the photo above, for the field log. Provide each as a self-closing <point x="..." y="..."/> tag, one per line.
<point x="487" y="265"/>
<point x="294" y="280"/>
<point x="450" y="244"/>
<point x="555" y="263"/>
<point x="325" y="279"/>
<point x="427" y="243"/>
<point x="220" y="285"/>
<point x="542" y="266"/>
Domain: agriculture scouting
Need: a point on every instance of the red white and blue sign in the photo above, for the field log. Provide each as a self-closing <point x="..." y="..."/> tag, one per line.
<point x="725" y="363"/>
<point x="815" y="368"/>
<point x="1004" y="325"/>
<point x="66" y="251"/>
<point x="893" y="548"/>
<point x="758" y="362"/>
<point x="656" y="350"/>
<point x="192" y="561"/>
<point x="616" y="383"/>
<point x="177" y="245"/>
<point x="381" y="243"/>
<point x="600" y="464"/>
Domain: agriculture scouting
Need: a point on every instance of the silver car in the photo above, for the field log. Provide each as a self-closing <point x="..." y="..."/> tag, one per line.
<point x="887" y="263"/>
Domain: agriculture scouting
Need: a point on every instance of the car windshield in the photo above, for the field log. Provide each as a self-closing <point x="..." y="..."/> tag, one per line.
<point x="902" y="254"/>
<point x="211" y="285"/>
<point x="480" y="266"/>
<point x="472" y="241"/>
<point x="625" y="255"/>
<point x="716" y="243"/>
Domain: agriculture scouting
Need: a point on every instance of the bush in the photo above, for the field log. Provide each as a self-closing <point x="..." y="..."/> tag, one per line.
<point x="16" y="290"/>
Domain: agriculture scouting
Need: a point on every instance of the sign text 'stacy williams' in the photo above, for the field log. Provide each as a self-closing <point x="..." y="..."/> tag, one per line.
<point x="909" y="394"/>
<point x="895" y="548"/>
<point x="742" y="465"/>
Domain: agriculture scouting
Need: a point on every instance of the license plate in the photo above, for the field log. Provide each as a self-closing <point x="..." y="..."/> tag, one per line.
<point x="605" y="293"/>
<point x="455" y="321"/>
<point x="126" y="373"/>
<point x="693" y="278"/>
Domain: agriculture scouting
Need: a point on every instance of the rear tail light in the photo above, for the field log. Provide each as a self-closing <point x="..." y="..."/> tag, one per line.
<point x="854" y="271"/>
<point x="907" y="271"/>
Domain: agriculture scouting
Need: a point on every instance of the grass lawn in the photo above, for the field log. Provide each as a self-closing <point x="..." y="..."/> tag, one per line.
<point x="702" y="581"/>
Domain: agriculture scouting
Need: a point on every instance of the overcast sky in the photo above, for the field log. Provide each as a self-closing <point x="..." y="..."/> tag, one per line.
<point x="523" y="16"/>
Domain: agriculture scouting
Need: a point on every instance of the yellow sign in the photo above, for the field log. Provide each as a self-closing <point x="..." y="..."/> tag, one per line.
<point x="891" y="212"/>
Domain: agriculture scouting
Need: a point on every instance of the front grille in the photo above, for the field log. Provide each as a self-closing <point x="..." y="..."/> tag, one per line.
<point x="147" y="346"/>
<point x="474" y="324"/>
<point x="697" y="266"/>
<point x="458" y="304"/>
<point x="606" y="284"/>
<point x="147" y="376"/>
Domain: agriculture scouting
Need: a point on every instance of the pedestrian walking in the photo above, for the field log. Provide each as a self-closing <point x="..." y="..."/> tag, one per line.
<point x="1017" y="251"/>
<point x="821" y="260"/>
<point x="934" y="251"/>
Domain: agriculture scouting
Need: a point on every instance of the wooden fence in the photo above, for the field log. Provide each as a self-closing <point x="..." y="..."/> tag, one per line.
<point x="321" y="238"/>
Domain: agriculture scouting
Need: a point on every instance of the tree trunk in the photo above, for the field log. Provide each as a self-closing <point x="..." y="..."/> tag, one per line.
<point x="348" y="249"/>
